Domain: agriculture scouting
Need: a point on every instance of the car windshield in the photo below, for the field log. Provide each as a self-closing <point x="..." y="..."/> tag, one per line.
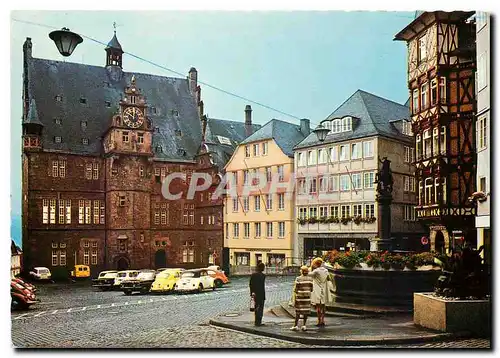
<point x="164" y="274"/>
<point x="146" y="275"/>
<point x="190" y="274"/>
<point x="107" y="274"/>
<point x="122" y="274"/>
<point x="43" y="271"/>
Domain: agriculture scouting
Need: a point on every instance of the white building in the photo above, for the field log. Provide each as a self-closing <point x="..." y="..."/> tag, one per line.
<point x="483" y="129"/>
<point x="336" y="190"/>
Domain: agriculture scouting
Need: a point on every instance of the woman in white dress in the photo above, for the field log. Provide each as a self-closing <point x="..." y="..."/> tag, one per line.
<point x="320" y="294"/>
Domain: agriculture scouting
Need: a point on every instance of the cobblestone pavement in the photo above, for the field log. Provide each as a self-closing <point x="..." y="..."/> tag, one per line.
<point x="77" y="316"/>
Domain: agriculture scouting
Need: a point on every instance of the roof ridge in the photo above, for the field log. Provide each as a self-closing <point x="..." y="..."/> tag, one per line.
<point x="383" y="98"/>
<point x="104" y="68"/>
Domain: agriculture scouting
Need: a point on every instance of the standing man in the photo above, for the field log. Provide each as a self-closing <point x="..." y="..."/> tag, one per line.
<point x="258" y="291"/>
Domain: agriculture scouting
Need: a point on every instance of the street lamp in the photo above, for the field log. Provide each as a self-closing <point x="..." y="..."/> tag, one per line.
<point x="65" y="40"/>
<point x="321" y="132"/>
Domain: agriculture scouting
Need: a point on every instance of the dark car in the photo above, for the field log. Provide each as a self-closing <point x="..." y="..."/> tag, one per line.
<point x="105" y="280"/>
<point x="142" y="283"/>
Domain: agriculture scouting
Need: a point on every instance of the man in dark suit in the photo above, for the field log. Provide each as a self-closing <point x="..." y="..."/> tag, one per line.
<point x="257" y="289"/>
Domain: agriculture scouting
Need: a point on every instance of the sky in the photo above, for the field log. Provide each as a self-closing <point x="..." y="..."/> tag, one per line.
<point x="302" y="63"/>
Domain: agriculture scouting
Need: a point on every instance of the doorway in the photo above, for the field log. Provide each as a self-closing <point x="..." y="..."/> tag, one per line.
<point x="258" y="258"/>
<point x="439" y="242"/>
<point x="122" y="264"/>
<point x="160" y="259"/>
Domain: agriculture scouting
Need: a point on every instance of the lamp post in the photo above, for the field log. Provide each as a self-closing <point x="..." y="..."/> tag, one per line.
<point x="65" y="40"/>
<point x="321" y="132"/>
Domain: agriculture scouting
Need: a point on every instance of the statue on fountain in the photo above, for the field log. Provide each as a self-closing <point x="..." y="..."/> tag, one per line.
<point x="384" y="178"/>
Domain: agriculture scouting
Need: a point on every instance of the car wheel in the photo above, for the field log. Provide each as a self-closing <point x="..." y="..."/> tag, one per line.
<point x="127" y="292"/>
<point x="200" y="288"/>
<point x="218" y="283"/>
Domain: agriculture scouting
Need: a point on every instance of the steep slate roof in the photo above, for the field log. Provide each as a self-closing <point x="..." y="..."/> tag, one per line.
<point x="285" y="134"/>
<point x="32" y="117"/>
<point x="72" y="81"/>
<point x="114" y="43"/>
<point x="371" y="116"/>
<point x="232" y="130"/>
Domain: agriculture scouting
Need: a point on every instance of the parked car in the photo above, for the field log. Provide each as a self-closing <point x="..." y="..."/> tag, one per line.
<point x="27" y="285"/>
<point x="40" y="274"/>
<point x="219" y="277"/>
<point x="195" y="280"/>
<point x="165" y="280"/>
<point x="124" y="275"/>
<point x="141" y="283"/>
<point x="80" y="272"/>
<point x="21" y="297"/>
<point x="105" y="280"/>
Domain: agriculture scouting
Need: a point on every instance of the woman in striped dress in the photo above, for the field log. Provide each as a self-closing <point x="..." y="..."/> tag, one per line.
<point x="303" y="289"/>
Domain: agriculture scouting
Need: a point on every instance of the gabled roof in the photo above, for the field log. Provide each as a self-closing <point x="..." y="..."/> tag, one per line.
<point x="102" y="87"/>
<point x="286" y="135"/>
<point x="14" y="249"/>
<point x="217" y="130"/>
<point x="371" y="117"/>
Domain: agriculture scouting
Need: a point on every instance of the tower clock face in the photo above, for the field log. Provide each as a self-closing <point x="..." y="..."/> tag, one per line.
<point x="133" y="117"/>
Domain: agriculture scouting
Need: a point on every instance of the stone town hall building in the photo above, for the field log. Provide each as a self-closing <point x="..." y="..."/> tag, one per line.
<point x="97" y="142"/>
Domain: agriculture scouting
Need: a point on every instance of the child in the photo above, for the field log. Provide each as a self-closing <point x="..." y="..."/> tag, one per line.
<point x="303" y="289"/>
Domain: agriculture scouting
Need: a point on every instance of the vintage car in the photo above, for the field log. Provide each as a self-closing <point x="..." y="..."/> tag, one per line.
<point x="124" y="275"/>
<point x="219" y="276"/>
<point x="40" y="274"/>
<point x="105" y="280"/>
<point x="26" y="285"/>
<point x="165" y="280"/>
<point x="21" y="297"/>
<point x="195" y="280"/>
<point x="141" y="283"/>
<point x="80" y="272"/>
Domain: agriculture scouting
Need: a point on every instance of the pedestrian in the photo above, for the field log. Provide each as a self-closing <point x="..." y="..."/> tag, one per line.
<point x="303" y="289"/>
<point x="258" y="291"/>
<point x="320" y="293"/>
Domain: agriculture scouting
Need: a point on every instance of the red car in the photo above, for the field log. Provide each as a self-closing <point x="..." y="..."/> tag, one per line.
<point x="27" y="285"/>
<point x="219" y="276"/>
<point x="21" y="297"/>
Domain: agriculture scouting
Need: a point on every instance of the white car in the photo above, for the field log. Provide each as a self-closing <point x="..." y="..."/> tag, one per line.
<point x="194" y="280"/>
<point x="41" y="273"/>
<point x="124" y="275"/>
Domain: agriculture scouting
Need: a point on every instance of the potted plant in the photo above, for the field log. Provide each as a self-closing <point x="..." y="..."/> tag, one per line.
<point x="345" y="220"/>
<point x="357" y="220"/>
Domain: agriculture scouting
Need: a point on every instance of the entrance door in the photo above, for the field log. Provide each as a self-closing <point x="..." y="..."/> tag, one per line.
<point x="440" y="247"/>
<point x="122" y="264"/>
<point x="160" y="259"/>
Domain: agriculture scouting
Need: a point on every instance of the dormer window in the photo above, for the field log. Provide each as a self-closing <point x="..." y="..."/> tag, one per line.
<point x="178" y="133"/>
<point x="175" y="113"/>
<point x="108" y="104"/>
<point x="85" y="141"/>
<point x="157" y="129"/>
<point x="83" y="124"/>
<point x="346" y="124"/>
<point x="58" y="139"/>
<point x="57" y="121"/>
<point x="181" y="151"/>
<point x="159" y="149"/>
<point x="83" y="100"/>
<point x="58" y="98"/>
<point x="153" y="110"/>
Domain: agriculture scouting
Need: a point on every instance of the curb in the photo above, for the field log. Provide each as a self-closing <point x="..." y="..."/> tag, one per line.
<point x="343" y="342"/>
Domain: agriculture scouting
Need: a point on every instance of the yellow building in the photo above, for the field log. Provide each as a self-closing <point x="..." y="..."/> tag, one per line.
<point x="259" y="219"/>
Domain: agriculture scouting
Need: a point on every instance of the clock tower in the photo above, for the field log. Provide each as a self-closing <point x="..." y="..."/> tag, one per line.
<point x="129" y="162"/>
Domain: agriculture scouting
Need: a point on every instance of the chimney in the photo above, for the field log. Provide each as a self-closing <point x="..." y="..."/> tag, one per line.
<point x="248" y="120"/>
<point x="305" y="127"/>
<point x="193" y="79"/>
